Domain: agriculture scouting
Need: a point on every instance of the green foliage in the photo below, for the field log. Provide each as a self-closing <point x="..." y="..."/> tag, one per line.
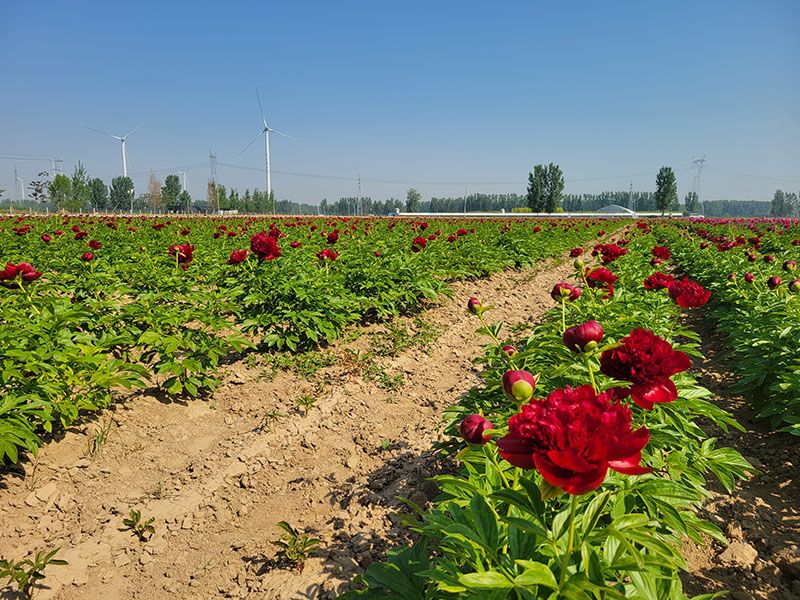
<point x="81" y="192"/>
<point x="27" y="573"/>
<point x="413" y="200"/>
<point x="295" y="547"/>
<point x="144" y="529"/>
<point x="121" y="192"/>
<point x="60" y="191"/>
<point x="545" y="187"/>
<point x="98" y="194"/>
<point x="170" y="190"/>
<point x="666" y="195"/>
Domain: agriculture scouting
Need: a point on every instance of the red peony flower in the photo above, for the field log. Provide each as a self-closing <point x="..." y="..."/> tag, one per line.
<point x="565" y="290"/>
<point x="94" y="245"/>
<point x="295" y="244"/>
<point x="509" y="350"/>
<point x="688" y="294"/>
<point x="773" y="282"/>
<point x="183" y="252"/>
<point x="13" y="274"/>
<point x="610" y="252"/>
<point x="602" y="278"/>
<point x="749" y="277"/>
<point x="519" y="385"/>
<point x="418" y="243"/>
<point x="573" y="437"/>
<point x="81" y="234"/>
<point x="333" y="236"/>
<point x="237" y="257"/>
<point x="661" y="252"/>
<point x="575" y="252"/>
<point x="658" y="281"/>
<point x="46" y="238"/>
<point x="327" y="254"/>
<point x="87" y="257"/>
<point x="264" y="246"/>
<point x="472" y="428"/>
<point x="583" y="337"/>
<point x="648" y="362"/>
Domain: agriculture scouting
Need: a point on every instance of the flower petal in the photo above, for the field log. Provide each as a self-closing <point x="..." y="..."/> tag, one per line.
<point x="515" y="451"/>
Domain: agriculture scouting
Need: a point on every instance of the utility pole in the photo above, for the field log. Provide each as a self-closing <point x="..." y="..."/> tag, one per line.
<point x="465" y="199"/>
<point x="697" y="165"/>
<point x="359" y="206"/>
<point x="631" y="201"/>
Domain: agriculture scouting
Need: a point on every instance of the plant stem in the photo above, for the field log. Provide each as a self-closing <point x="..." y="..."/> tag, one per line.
<point x="489" y="331"/>
<point x="588" y="362"/>
<point x="563" y="314"/>
<point x="570" y="540"/>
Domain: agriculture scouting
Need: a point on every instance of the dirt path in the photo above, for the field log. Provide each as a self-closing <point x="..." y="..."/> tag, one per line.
<point x="761" y="519"/>
<point x="218" y="475"/>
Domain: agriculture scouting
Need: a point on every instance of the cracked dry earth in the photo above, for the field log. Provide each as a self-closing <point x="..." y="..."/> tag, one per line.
<point x="218" y="474"/>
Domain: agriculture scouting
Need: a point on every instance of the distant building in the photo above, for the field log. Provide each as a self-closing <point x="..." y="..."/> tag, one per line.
<point x="616" y="209"/>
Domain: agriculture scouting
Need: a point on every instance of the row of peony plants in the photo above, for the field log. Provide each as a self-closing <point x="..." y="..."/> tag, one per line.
<point x="91" y="306"/>
<point x="582" y="461"/>
<point x="751" y="266"/>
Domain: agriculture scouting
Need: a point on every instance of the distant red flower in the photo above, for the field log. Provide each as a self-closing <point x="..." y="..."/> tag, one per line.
<point x="95" y="245"/>
<point x="46" y="238"/>
<point x="749" y="277"/>
<point x="21" y="272"/>
<point x="575" y="252"/>
<point x="658" y="281"/>
<point x="295" y="244"/>
<point x="217" y="235"/>
<point x="333" y="236"/>
<point x="418" y="243"/>
<point x="58" y="232"/>
<point x="688" y="294"/>
<point x="610" y="252"/>
<point x="327" y="254"/>
<point x="648" y="362"/>
<point x="461" y="232"/>
<point x="183" y="252"/>
<point x="81" y="234"/>
<point x="452" y="238"/>
<point x="237" y="257"/>
<point x="378" y="253"/>
<point x="264" y="246"/>
<point x="22" y="230"/>
<point x="790" y="266"/>
<point x="573" y="437"/>
<point x="773" y="282"/>
<point x="87" y="257"/>
<point x="186" y="231"/>
<point x="472" y="428"/>
<point x="661" y="252"/>
<point x="565" y="290"/>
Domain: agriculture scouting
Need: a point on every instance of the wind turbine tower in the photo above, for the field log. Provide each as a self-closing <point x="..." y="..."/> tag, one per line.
<point x="265" y="132"/>
<point x="121" y="139"/>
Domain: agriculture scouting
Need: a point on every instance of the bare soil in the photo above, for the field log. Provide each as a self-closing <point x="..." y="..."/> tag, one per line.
<point x="761" y="519"/>
<point x="218" y="474"/>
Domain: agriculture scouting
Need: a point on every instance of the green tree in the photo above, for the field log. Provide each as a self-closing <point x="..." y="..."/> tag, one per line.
<point x="81" y="195"/>
<point x="170" y="191"/>
<point x="413" y="200"/>
<point x="666" y="195"/>
<point x="38" y="187"/>
<point x="554" y="187"/>
<point x="121" y="192"/>
<point x="536" y="188"/>
<point x="692" y="203"/>
<point x="779" y="206"/>
<point x="323" y="207"/>
<point x="60" y="190"/>
<point x="98" y="193"/>
<point x="183" y="201"/>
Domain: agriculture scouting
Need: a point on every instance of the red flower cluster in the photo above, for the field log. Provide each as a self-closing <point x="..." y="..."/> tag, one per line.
<point x="95" y="245"/>
<point x="264" y="246"/>
<point x="661" y="252"/>
<point x="609" y="252"/>
<point x="565" y="290"/>
<point x="327" y="254"/>
<point x="183" y="252"/>
<point x="658" y="281"/>
<point x="24" y="271"/>
<point x="688" y="294"/>
<point x="418" y="243"/>
<point x="575" y="252"/>
<point x="648" y="362"/>
<point x="601" y="278"/>
<point x="238" y="257"/>
<point x="573" y="437"/>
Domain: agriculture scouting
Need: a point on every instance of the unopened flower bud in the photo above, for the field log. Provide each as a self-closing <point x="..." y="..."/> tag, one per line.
<point x="472" y="428"/>
<point x="519" y="385"/>
<point x="509" y="350"/>
<point x="794" y="286"/>
<point x="773" y="282"/>
<point x="790" y="265"/>
<point x="583" y="337"/>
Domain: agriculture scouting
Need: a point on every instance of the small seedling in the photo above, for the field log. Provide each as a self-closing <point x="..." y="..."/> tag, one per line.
<point x="295" y="547"/>
<point x="268" y="420"/>
<point x="26" y="573"/>
<point x="143" y="529"/>
<point x="95" y="443"/>
<point x="33" y="480"/>
<point x="307" y="402"/>
<point x="386" y="444"/>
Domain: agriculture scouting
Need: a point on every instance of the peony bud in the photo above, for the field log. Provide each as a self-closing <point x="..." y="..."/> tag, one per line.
<point x="509" y="350"/>
<point x="732" y="277"/>
<point x="749" y="277"/>
<point x="769" y="258"/>
<point x="583" y="337"/>
<point x="773" y="282"/>
<point x="472" y="428"/>
<point x="579" y="264"/>
<point x="790" y="265"/>
<point x="794" y="286"/>
<point x="474" y="305"/>
<point x="519" y="385"/>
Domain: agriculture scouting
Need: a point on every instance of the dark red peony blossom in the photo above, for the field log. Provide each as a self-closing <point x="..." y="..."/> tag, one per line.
<point x="46" y="238"/>
<point x="601" y="278"/>
<point x="472" y="428"/>
<point x="658" y="281"/>
<point x="184" y="254"/>
<point x="418" y="243"/>
<point x="264" y="246"/>
<point x="87" y="257"/>
<point x="327" y="254"/>
<point x="13" y="274"/>
<point x="749" y="277"/>
<point x="95" y="245"/>
<point x="81" y="234"/>
<point x="610" y="252"/>
<point x="648" y="362"/>
<point x="583" y="337"/>
<point x="519" y="385"/>
<point x="773" y="282"/>
<point x="661" y="252"/>
<point x="573" y="437"/>
<point x="333" y="237"/>
<point x="688" y="294"/>
<point x="575" y="252"/>
<point x="565" y="290"/>
<point x="238" y="257"/>
<point x="295" y="244"/>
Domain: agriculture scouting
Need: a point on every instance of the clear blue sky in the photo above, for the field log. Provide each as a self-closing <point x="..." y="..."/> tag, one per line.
<point x="463" y="92"/>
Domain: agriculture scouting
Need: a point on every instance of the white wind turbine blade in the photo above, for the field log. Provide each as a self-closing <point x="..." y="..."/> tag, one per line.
<point x="261" y="108"/>
<point x="283" y="134"/>
<point x="116" y="137"/>
<point x="135" y="130"/>
<point x="253" y="141"/>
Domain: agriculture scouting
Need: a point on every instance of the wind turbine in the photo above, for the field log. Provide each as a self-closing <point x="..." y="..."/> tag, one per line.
<point x="265" y="132"/>
<point x="121" y="139"/>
